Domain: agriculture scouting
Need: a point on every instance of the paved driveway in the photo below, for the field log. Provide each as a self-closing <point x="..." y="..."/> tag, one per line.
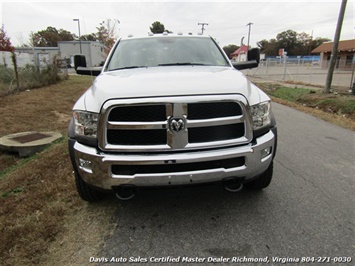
<point x="308" y="210"/>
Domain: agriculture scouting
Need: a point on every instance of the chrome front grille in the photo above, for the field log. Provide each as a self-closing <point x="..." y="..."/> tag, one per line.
<point x="174" y="123"/>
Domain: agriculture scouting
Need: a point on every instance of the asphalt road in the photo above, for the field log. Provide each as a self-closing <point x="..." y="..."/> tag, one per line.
<point x="307" y="211"/>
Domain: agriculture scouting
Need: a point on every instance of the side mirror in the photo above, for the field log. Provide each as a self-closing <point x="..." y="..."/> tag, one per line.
<point x="82" y="69"/>
<point x="253" y="60"/>
<point x="254" y="54"/>
<point x="89" y="71"/>
<point x="245" y="65"/>
<point x="79" y="61"/>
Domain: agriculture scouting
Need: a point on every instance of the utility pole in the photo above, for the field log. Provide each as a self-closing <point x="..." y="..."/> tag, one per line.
<point x="76" y="19"/>
<point x="310" y="44"/>
<point x="334" y="55"/>
<point x="249" y="24"/>
<point x="203" y="26"/>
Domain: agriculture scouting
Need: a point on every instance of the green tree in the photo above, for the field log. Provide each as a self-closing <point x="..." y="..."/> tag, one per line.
<point x="288" y="41"/>
<point x="50" y="37"/>
<point x="269" y="47"/>
<point x="5" y="42"/>
<point x="157" y="27"/>
<point x="303" y="44"/>
<point x="294" y="43"/>
<point x="230" y="49"/>
<point x="318" y="41"/>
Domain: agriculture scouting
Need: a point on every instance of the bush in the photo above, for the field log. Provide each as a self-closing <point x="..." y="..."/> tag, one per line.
<point x="30" y="77"/>
<point x="289" y="94"/>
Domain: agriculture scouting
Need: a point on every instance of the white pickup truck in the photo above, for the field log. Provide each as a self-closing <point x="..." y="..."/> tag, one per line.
<point x="167" y="110"/>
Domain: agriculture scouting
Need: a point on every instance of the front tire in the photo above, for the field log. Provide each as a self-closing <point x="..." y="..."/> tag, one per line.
<point x="87" y="192"/>
<point x="263" y="180"/>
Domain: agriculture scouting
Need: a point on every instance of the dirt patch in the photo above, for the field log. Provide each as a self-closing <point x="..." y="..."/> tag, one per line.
<point x="62" y="118"/>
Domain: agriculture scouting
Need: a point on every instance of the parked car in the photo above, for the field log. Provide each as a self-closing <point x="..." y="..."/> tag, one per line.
<point x="167" y="110"/>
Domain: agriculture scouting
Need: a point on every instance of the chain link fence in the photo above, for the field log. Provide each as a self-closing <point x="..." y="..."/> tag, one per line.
<point x="300" y="71"/>
<point x="21" y="71"/>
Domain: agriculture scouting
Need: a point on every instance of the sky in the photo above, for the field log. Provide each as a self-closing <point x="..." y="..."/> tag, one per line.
<point x="227" y="20"/>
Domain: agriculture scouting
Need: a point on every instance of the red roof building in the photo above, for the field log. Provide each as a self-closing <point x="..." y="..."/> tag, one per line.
<point x="237" y="55"/>
<point x="346" y="50"/>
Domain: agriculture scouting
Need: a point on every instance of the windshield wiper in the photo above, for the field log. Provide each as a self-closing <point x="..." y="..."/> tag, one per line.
<point x="183" y="64"/>
<point x="128" y="67"/>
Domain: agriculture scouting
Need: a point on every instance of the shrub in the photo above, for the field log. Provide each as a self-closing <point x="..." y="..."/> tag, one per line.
<point x="29" y="77"/>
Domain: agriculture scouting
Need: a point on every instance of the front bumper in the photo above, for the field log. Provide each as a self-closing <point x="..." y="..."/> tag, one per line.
<point x="96" y="168"/>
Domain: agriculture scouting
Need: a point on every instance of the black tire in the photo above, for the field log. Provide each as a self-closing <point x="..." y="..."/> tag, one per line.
<point x="263" y="180"/>
<point x="87" y="192"/>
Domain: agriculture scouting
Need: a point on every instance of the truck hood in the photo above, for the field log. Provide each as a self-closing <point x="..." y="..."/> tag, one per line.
<point x="167" y="81"/>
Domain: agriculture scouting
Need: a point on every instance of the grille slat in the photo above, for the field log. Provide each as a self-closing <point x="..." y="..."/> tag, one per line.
<point x="140" y="113"/>
<point x="213" y="110"/>
<point x="227" y="116"/>
<point x="217" y="133"/>
<point x="136" y="137"/>
<point x="173" y="168"/>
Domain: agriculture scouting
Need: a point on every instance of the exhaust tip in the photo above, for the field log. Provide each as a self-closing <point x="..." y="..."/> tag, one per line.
<point x="233" y="185"/>
<point x="125" y="192"/>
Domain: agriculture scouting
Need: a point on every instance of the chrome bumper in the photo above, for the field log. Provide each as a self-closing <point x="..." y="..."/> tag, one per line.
<point x="96" y="168"/>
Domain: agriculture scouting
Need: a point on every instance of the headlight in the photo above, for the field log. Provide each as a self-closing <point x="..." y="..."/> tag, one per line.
<point x="85" y="123"/>
<point x="261" y="115"/>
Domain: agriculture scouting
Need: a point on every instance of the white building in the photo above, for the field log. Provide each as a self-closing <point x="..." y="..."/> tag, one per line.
<point x="39" y="56"/>
<point x="93" y="51"/>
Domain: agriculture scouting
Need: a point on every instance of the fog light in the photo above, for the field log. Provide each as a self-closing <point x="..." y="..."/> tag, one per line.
<point x="265" y="152"/>
<point x="85" y="165"/>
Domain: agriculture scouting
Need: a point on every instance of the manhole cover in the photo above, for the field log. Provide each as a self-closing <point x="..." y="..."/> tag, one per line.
<point x="28" y="143"/>
<point x="30" y="137"/>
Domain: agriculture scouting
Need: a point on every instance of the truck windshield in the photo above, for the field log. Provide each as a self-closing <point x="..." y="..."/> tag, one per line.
<point x="166" y="51"/>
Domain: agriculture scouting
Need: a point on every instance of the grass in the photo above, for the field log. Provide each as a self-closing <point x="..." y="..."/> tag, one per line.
<point x="10" y="162"/>
<point x="39" y="204"/>
<point x="289" y="94"/>
<point x="32" y="207"/>
<point x="337" y="108"/>
<point x="341" y="104"/>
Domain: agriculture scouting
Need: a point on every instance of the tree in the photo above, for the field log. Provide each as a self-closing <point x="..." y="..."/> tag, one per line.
<point x="106" y="34"/>
<point x="318" y="41"/>
<point x="294" y="43"/>
<point x="50" y="37"/>
<point x="157" y="27"/>
<point x="5" y="43"/>
<point x="270" y="47"/>
<point x="230" y="49"/>
<point x="89" y="37"/>
<point x="288" y="41"/>
<point x="304" y="42"/>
